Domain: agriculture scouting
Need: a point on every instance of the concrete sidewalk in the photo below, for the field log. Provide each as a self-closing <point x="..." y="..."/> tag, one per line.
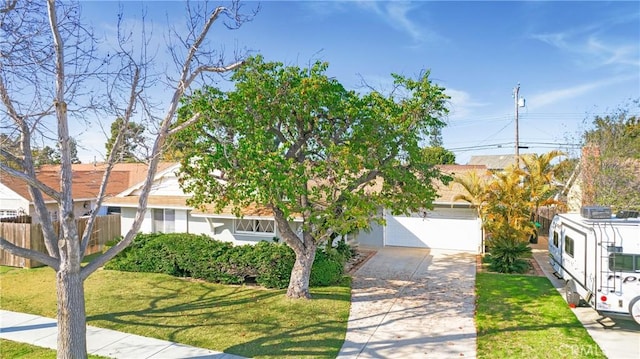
<point x="413" y="303"/>
<point x="41" y="331"/>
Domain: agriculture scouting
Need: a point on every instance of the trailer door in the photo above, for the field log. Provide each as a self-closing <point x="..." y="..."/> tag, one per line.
<point x="555" y="249"/>
<point x="574" y="254"/>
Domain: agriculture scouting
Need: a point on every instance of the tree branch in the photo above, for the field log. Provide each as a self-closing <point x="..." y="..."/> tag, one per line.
<point x="29" y="253"/>
<point x="185" y="124"/>
<point x="133" y="94"/>
<point x="163" y="132"/>
<point x="9" y="156"/>
<point x="10" y="6"/>
<point x="216" y="69"/>
<point x="31" y="181"/>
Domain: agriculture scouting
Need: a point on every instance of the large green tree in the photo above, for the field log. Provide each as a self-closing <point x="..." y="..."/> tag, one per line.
<point x="51" y="156"/>
<point x="132" y="140"/>
<point x="617" y="137"/>
<point x="439" y="155"/>
<point x="294" y="140"/>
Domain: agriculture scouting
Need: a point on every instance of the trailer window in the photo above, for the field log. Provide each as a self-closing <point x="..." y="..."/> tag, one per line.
<point x="556" y="239"/>
<point x="624" y="262"/>
<point x="568" y="245"/>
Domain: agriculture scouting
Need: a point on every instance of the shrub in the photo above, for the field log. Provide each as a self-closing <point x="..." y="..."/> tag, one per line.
<point x="327" y="268"/>
<point x="345" y="250"/>
<point x="509" y="255"/>
<point x="201" y="257"/>
<point x="274" y="262"/>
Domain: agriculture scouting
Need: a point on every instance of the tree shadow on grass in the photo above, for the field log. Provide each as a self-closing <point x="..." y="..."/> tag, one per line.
<point x="319" y="340"/>
<point x="241" y="320"/>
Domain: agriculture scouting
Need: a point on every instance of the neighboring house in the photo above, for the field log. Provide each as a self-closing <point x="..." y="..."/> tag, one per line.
<point x="493" y="162"/>
<point x="168" y="212"/>
<point x="451" y="225"/>
<point x="15" y="199"/>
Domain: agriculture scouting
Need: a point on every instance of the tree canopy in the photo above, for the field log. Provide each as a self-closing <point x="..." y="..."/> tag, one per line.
<point x="616" y="175"/>
<point x="132" y="140"/>
<point x="296" y="141"/>
<point x="439" y="155"/>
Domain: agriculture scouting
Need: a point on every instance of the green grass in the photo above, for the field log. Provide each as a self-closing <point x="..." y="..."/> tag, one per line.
<point x="525" y="317"/>
<point x="243" y="320"/>
<point x="9" y="349"/>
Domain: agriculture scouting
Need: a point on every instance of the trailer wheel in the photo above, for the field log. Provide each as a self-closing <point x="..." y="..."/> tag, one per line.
<point x="573" y="298"/>
<point x="634" y="310"/>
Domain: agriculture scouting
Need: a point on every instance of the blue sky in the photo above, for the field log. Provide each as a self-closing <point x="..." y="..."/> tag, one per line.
<point x="573" y="60"/>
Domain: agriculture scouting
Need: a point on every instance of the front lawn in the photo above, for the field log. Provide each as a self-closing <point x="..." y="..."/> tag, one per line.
<point x="243" y="320"/>
<point x="9" y="349"/>
<point x="525" y="317"/>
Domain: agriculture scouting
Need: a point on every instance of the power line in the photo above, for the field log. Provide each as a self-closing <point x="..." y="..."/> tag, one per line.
<point x="512" y="143"/>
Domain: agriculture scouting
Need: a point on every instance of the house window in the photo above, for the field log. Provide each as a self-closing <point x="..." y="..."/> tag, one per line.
<point x="255" y="226"/>
<point x="164" y="220"/>
<point x="624" y="262"/>
<point x="568" y="245"/>
<point x="8" y="213"/>
<point x="556" y="239"/>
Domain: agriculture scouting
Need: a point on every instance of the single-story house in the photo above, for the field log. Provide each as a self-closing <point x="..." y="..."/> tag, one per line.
<point x="168" y="212"/>
<point x="450" y="225"/>
<point x="15" y="199"/>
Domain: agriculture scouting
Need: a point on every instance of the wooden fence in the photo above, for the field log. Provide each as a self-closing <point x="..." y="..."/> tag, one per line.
<point x="29" y="235"/>
<point x="545" y="216"/>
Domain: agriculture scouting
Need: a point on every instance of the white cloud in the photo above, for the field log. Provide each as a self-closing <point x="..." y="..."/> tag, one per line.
<point x="610" y="54"/>
<point x="553" y="96"/>
<point x="396" y="14"/>
<point x="462" y="105"/>
<point x="595" y="46"/>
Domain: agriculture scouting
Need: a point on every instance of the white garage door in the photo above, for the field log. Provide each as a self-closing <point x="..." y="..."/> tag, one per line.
<point x="442" y="228"/>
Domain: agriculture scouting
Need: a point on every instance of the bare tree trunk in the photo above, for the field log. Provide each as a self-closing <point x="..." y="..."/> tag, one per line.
<point x="299" y="282"/>
<point x="35" y="67"/>
<point x="72" y="325"/>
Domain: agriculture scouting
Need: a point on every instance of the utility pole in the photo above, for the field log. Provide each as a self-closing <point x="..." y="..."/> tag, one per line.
<point x="518" y="103"/>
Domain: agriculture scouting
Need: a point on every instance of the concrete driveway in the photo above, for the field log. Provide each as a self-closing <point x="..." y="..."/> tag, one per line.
<point x="413" y="303"/>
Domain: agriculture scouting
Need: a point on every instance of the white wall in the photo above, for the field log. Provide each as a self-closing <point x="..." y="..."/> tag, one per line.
<point x="167" y="185"/>
<point x="219" y="228"/>
<point x="126" y="220"/>
<point x="182" y="222"/>
<point x="11" y="201"/>
<point x="372" y="238"/>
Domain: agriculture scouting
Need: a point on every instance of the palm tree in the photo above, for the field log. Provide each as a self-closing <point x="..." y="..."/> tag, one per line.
<point x="538" y="179"/>
<point x="508" y="205"/>
<point x="476" y="187"/>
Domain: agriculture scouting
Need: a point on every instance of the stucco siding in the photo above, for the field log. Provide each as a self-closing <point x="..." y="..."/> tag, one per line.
<point x="222" y="229"/>
<point x="181" y="221"/>
<point x="374" y="237"/>
<point x="126" y="219"/>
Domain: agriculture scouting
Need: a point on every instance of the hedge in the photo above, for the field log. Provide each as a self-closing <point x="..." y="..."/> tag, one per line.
<point x="202" y="257"/>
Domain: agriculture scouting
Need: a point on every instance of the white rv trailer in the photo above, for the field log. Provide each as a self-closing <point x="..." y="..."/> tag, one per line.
<point x="598" y="255"/>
